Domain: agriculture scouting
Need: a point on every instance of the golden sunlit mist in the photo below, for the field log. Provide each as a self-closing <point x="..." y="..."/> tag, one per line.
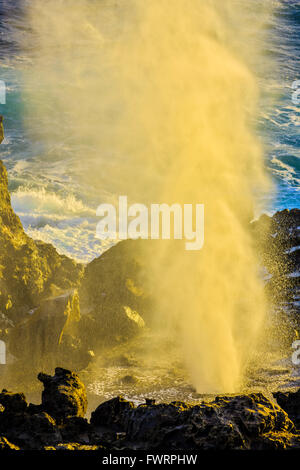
<point x="157" y="99"/>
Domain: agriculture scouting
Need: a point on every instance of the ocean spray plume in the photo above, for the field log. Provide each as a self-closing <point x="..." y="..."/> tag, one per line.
<point x="156" y="100"/>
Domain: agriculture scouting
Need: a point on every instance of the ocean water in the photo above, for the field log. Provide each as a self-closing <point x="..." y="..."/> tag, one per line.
<point x="48" y="193"/>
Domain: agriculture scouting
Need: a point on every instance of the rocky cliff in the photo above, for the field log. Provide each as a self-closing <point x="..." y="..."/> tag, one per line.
<point x="30" y="270"/>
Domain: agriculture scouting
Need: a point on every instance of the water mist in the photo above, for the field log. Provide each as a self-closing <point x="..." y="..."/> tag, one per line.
<point x="156" y="99"/>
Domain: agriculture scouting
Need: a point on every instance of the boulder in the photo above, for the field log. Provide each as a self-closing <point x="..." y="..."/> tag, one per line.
<point x="64" y="395"/>
<point x="29" y="431"/>
<point x="22" y="428"/>
<point x="112" y="414"/>
<point x="76" y="429"/>
<point x="13" y="402"/>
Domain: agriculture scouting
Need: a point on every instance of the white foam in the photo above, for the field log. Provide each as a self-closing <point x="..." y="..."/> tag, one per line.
<point x="41" y="202"/>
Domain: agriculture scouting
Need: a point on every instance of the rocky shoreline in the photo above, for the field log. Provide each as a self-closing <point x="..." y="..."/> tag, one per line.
<point x="249" y="422"/>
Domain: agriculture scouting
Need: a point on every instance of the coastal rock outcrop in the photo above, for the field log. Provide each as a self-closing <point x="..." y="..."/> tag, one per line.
<point x="234" y="422"/>
<point x="64" y="395"/>
<point x="114" y="291"/>
<point x="40" y="308"/>
<point x="228" y="422"/>
<point x="33" y="325"/>
<point x="29" y="270"/>
<point x="278" y="243"/>
<point x="278" y="238"/>
<point x="13" y="402"/>
<point x="51" y="335"/>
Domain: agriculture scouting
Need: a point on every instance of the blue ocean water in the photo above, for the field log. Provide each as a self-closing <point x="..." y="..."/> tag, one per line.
<point x="54" y="205"/>
<point x="280" y="125"/>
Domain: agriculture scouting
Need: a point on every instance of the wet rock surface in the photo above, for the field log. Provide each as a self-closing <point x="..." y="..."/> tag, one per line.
<point x="279" y="242"/>
<point x="226" y="423"/>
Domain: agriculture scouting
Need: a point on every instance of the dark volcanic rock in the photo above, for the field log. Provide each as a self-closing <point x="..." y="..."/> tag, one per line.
<point x="58" y="419"/>
<point x="278" y="238"/>
<point x="278" y="243"/>
<point x="30" y="431"/>
<point x="229" y="422"/>
<point x="113" y="414"/>
<point x="239" y="422"/>
<point x="64" y="395"/>
<point x="6" y="445"/>
<point x="22" y="428"/>
<point x="13" y="402"/>
<point x="76" y="429"/>
<point x="290" y="402"/>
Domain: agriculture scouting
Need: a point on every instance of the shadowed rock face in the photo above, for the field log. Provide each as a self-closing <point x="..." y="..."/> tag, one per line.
<point x="6" y="445"/>
<point x="51" y="335"/>
<point x="229" y="422"/>
<point x="29" y="270"/>
<point x="64" y="395"/>
<point x="13" y="402"/>
<point x="290" y="402"/>
<point x="279" y="242"/>
<point x="237" y="422"/>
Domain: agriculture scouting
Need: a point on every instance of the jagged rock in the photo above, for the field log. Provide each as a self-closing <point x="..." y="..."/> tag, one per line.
<point x="51" y="335"/>
<point x="13" y="402"/>
<point x="76" y="429"/>
<point x="29" y="269"/>
<point x="228" y="422"/>
<point x="114" y="290"/>
<point x="239" y="422"/>
<point x="290" y="402"/>
<point x="64" y="395"/>
<point x="6" y="445"/>
<point x="278" y="241"/>
<point x="29" y="431"/>
<point x="113" y="414"/>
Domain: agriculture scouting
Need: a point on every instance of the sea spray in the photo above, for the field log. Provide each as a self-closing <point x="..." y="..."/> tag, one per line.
<point x="156" y="100"/>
